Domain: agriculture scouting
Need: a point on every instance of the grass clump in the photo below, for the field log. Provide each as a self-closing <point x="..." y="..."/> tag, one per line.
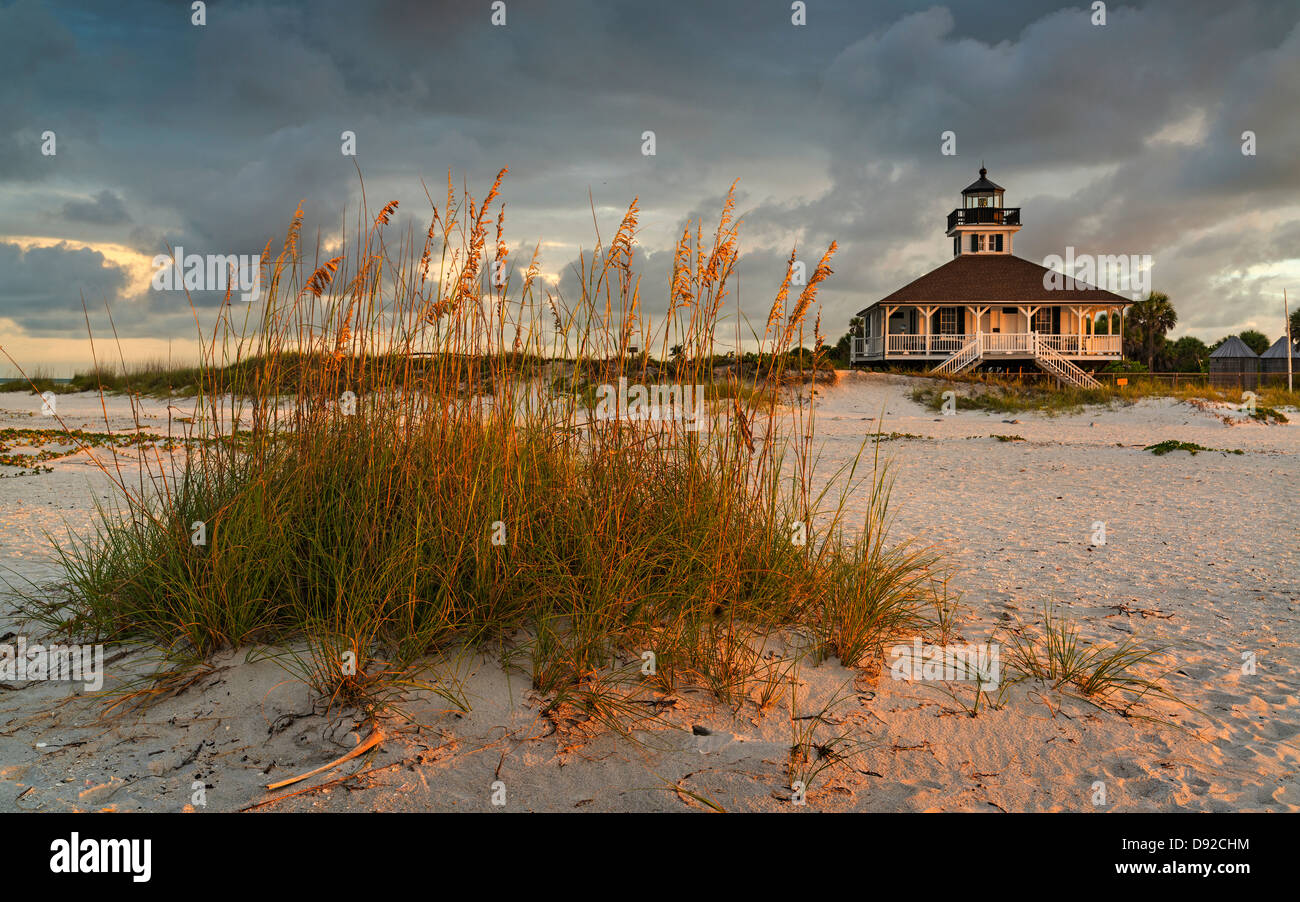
<point x="993" y="396"/>
<point x="1162" y="448"/>
<point x="1269" y="415"/>
<point x="1105" y="673"/>
<point x="813" y="752"/>
<point x="411" y="476"/>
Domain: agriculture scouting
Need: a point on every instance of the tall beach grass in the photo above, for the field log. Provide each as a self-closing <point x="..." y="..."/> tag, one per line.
<point x="390" y="462"/>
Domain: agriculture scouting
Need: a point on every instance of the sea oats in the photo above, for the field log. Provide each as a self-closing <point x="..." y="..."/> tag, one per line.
<point x="322" y="277"/>
<point x="385" y="213"/>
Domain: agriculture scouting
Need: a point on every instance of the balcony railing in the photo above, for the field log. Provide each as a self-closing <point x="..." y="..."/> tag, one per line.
<point x="994" y="344"/>
<point x="984" y="216"/>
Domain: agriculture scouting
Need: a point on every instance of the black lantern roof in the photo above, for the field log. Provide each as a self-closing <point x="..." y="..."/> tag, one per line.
<point x="982" y="185"/>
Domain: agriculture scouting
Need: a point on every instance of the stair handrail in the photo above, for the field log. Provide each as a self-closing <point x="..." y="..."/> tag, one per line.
<point x="962" y="357"/>
<point x="1063" y="367"/>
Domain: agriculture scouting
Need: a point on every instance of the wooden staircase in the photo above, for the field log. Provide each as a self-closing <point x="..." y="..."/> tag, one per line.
<point x="963" y="357"/>
<point x="1048" y="359"/>
<point x="1062" y="368"/>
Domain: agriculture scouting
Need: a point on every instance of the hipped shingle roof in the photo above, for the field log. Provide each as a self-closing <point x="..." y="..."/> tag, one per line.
<point x="994" y="279"/>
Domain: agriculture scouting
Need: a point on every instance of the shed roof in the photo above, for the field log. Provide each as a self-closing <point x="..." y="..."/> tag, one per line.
<point x="1278" y="349"/>
<point x="1233" y="347"/>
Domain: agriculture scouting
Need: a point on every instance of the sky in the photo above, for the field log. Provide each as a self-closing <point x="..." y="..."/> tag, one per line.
<point x="1122" y="138"/>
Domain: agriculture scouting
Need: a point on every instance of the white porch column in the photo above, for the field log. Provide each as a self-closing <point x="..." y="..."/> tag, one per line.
<point x="979" y="320"/>
<point x="926" y="313"/>
<point x="1029" y="312"/>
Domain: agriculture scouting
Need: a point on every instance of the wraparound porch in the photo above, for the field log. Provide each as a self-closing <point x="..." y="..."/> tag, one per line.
<point x="935" y="331"/>
<point x="994" y="344"/>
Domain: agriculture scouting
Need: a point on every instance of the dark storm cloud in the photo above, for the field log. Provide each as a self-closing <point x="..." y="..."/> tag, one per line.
<point x="43" y="287"/>
<point x="105" y="208"/>
<point x="211" y="136"/>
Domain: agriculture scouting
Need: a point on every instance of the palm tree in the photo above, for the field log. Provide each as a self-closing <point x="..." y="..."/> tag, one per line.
<point x="1152" y="318"/>
<point x="1255" y="340"/>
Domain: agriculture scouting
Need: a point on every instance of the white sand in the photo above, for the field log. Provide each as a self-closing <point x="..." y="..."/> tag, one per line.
<point x="1201" y="554"/>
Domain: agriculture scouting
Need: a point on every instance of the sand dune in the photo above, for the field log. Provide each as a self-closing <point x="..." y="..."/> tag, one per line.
<point x="1200" y="554"/>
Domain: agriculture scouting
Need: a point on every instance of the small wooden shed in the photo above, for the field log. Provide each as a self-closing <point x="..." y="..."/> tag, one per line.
<point x="1274" y="359"/>
<point x="1272" y="363"/>
<point x="1234" y="364"/>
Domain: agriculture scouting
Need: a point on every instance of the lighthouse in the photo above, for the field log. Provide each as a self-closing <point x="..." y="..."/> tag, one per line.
<point x="982" y="225"/>
<point x="986" y="306"/>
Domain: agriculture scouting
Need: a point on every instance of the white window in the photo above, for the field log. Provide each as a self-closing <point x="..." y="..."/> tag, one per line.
<point x="947" y="320"/>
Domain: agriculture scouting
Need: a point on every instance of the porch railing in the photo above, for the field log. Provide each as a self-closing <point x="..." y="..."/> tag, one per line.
<point x="984" y="216"/>
<point x="995" y="343"/>
<point x="1082" y="344"/>
<point x="1009" y="342"/>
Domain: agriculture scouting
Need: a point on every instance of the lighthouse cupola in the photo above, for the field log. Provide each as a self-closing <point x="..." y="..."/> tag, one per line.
<point x="982" y="224"/>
